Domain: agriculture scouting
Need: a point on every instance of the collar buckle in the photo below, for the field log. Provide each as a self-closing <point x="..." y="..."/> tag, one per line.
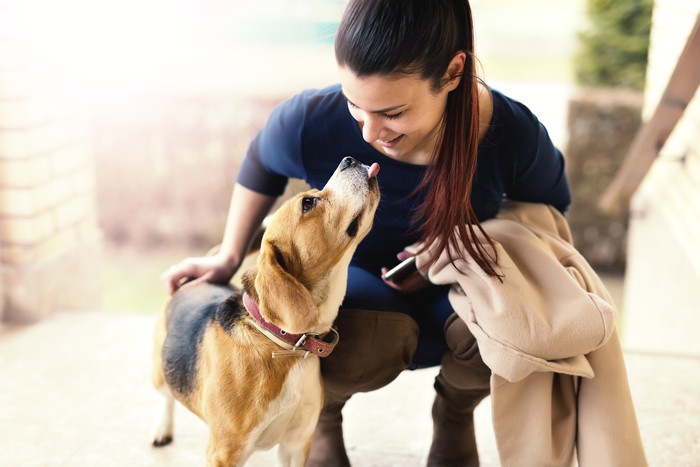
<point x="301" y="341"/>
<point x="294" y="345"/>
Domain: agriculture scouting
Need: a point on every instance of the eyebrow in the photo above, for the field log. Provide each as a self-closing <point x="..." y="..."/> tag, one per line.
<point x="380" y="111"/>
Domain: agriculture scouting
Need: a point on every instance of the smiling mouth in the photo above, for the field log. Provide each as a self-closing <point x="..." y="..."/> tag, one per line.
<point x="390" y="143"/>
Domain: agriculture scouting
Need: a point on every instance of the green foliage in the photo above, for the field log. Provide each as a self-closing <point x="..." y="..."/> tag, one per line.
<point x="614" y="49"/>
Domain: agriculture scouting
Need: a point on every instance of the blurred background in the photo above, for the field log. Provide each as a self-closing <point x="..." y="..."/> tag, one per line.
<point x="123" y="124"/>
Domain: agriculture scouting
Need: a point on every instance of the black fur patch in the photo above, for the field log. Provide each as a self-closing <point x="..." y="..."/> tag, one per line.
<point x="190" y="312"/>
<point x="230" y="311"/>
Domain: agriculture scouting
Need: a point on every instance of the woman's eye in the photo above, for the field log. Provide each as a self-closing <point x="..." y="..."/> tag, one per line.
<point x="307" y="204"/>
<point x="394" y="116"/>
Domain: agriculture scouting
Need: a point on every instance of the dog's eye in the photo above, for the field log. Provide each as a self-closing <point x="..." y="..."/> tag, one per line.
<point x="353" y="227"/>
<point x="307" y="204"/>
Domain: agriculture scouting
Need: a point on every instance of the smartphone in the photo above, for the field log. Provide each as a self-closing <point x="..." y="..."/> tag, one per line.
<point x="402" y="270"/>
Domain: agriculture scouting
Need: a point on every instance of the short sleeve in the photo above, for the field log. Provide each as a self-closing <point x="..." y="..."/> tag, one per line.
<point x="274" y="155"/>
<point x="538" y="172"/>
<point x="541" y="177"/>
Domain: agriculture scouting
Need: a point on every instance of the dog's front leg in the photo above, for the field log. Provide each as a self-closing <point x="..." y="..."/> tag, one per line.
<point x="163" y="425"/>
<point x="224" y="450"/>
<point x="293" y="456"/>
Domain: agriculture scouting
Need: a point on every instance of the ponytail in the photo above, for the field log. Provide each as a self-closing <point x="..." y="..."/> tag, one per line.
<point x="381" y="37"/>
<point x="446" y="218"/>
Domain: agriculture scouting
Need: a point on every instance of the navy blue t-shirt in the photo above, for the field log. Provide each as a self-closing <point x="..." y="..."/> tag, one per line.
<point x="307" y="136"/>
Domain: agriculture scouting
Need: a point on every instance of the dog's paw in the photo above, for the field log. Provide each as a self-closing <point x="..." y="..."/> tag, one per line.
<point x="162" y="428"/>
<point x="159" y="441"/>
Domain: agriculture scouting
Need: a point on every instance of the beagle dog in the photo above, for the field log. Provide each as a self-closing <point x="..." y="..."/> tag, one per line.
<point x="246" y="362"/>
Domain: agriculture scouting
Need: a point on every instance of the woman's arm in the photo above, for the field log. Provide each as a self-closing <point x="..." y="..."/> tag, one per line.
<point x="273" y="156"/>
<point x="246" y="212"/>
<point x="532" y="167"/>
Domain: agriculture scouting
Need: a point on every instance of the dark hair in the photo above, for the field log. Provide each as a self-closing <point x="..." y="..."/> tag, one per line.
<point x="383" y="37"/>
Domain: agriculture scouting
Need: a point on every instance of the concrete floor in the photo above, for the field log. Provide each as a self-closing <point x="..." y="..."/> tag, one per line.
<point x="75" y="391"/>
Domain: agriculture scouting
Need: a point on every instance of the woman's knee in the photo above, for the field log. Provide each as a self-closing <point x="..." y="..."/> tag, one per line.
<point x="462" y="365"/>
<point x="374" y="348"/>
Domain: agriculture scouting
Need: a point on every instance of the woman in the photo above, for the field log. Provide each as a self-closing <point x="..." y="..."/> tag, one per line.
<point x="450" y="150"/>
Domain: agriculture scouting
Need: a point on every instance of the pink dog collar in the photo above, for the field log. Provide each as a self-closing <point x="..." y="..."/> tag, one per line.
<point x="294" y="344"/>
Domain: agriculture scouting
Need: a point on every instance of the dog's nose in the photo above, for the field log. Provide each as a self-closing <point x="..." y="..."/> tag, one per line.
<point x="348" y="162"/>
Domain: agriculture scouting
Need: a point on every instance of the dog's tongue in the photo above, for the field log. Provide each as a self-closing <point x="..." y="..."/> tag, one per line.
<point x="373" y="170"/>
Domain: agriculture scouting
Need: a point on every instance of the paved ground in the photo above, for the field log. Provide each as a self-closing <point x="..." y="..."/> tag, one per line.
<point x="75" y="392"/>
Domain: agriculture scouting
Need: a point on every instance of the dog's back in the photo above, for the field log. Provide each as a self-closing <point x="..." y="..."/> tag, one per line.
<point x="187" y="317"/>
<point x="218" y="366"/>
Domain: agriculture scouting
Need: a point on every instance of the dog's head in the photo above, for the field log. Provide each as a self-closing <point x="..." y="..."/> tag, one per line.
<point x="300" y="278"/>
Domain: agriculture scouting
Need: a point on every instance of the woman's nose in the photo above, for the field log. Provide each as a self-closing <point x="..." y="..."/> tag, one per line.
<point x="371" y="129"/>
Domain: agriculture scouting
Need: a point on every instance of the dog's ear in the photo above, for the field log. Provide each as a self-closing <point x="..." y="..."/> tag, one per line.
<point x="282" y="299"/>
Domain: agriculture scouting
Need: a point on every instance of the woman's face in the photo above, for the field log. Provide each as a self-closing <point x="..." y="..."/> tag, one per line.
<point x="399" y="115"/>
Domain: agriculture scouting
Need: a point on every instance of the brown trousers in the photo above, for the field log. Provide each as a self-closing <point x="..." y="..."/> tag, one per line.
<point x="376" y="346"/>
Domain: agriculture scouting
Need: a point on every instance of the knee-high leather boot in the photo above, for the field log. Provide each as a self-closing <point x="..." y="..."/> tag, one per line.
<point x="374" y="347"/>
<point x="463" y="382"/>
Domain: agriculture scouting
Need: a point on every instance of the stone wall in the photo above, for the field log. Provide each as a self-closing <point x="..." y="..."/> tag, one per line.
<point x="49" y="241"/>
<point x="601" y="126"/>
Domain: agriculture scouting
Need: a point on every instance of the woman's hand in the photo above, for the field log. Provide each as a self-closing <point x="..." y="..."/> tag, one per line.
<point x="217" y="269"/>
<point x="412" y="283"/>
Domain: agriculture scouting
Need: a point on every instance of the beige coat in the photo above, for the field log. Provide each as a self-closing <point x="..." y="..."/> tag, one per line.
<point x="547" y="332"/>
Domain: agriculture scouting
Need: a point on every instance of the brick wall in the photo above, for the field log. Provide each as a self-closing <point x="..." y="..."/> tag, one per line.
<point x="49" y="242"/>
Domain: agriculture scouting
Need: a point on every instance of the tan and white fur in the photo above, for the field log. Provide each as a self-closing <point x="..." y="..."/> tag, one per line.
<point x="211" y="357"/>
